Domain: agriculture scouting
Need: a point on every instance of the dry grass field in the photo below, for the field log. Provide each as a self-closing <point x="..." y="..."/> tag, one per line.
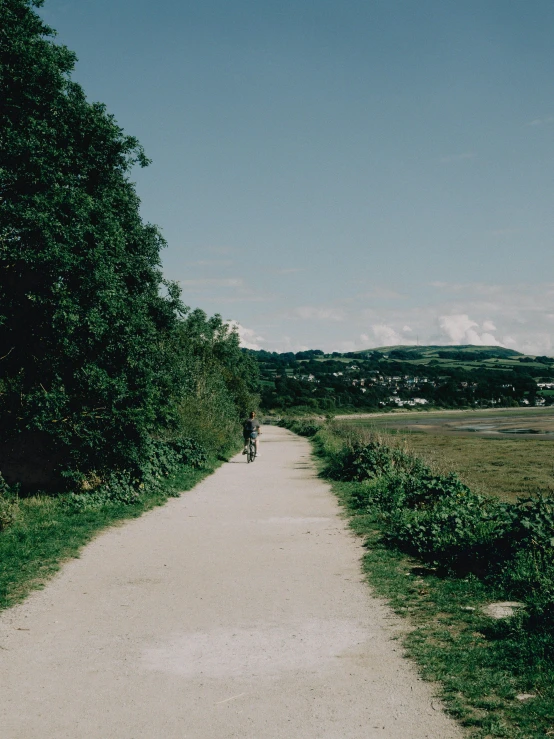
<point x="491" y="457"/>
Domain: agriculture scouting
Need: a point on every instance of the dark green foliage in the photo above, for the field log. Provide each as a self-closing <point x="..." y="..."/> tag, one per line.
<point x="361" y="462"/>
<point x="121" y="489"/>
<point x="83" y="321"/>
<point x="189" y="452"/>
<point x="456" y="531"/>
<point x="220" y="381"/>
<point x="105" y="377"/>
<point x="528" y="571"/>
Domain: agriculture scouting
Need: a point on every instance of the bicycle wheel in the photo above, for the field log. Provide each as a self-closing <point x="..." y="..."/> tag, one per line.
<point x="251" y="452"/>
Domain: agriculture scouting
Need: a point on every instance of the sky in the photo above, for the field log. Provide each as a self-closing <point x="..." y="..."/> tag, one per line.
<point x="340" y="174"/>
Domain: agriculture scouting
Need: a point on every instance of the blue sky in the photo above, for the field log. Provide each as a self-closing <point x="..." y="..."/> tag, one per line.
<point x="340" y="175"/>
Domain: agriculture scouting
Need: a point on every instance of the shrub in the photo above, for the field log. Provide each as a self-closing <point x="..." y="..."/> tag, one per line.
<point x="529" y="576"/>
<point x="8" y="504"/>
<point x="8" y="512"/>
<point x="439" y="519"/>
<point x="367" y="461"/>
<point x="456" y="533"/>
<point x="123" y="488"/>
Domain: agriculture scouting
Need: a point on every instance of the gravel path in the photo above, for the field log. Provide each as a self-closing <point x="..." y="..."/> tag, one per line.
<point x="237" y="610"/>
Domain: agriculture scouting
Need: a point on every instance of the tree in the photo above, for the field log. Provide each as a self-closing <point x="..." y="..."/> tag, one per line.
<point x="220" y="380"/>
<point x="85" y="315"/>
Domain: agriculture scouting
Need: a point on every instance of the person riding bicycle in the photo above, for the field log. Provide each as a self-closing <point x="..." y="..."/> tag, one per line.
<point x="251" y="430"/>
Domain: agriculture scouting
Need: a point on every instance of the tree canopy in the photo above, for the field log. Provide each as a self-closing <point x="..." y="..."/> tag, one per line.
<point x="94" y="346"/>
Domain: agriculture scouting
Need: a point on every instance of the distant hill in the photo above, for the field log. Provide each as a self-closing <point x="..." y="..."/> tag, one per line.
<point x="448" y="351"/>
<point x="392" y="377"/>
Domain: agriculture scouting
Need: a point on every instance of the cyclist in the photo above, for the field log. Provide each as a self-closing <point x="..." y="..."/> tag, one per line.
<point x="251" y="430"/>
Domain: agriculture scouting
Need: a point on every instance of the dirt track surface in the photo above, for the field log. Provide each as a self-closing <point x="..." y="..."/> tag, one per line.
<point x="237" y="610"/>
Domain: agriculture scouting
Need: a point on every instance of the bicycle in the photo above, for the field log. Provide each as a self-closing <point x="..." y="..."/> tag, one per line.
<point x="251" y="450"/>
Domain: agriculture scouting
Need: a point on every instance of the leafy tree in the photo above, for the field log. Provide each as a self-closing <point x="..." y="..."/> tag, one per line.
<point x="220" y="380"/>
<point x="86" y="318"/>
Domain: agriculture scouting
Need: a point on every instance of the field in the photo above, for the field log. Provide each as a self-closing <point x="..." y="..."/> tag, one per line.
<point x="502" y="453"/>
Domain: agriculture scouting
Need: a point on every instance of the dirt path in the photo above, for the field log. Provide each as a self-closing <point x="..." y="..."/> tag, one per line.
<point x="237" y="610"/>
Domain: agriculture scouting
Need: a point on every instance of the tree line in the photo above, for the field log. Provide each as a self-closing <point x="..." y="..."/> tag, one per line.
<point x="103" y="369"/>
<point x="318" y="382"/>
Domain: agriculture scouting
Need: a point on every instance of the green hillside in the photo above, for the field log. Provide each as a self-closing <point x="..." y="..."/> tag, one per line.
<point x="433" y="350"/>
<point x="394" y="377"/>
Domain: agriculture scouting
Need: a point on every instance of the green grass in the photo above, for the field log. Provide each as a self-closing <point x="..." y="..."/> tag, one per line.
<point x="46" y="533"/>
<point x="506" y="467"/>
<point x="479" y="665"/>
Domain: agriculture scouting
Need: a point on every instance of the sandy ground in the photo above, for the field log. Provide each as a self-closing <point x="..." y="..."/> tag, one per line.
<point x="237" y="610"/>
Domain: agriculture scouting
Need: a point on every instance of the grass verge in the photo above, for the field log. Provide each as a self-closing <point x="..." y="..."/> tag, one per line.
<point x="47" y="532"/>
<point x="441" y="554"/>
<point x="481" y="665"/>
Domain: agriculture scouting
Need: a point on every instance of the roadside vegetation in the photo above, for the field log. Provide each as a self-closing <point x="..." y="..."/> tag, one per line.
<point x="443" y="554"/>
<point x="503" y="465"/>
<point x="113" y="393"/>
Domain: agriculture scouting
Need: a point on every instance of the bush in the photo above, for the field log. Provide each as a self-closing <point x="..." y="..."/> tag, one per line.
<point x="369" y="461"/>
<point x="122" y="488"/>
<point x="528" y="572"/>
<point x="440" y="520"/>
<point x="8" y="512"/>
<point x="457" y="533"/>
<point x="8" y="504"/>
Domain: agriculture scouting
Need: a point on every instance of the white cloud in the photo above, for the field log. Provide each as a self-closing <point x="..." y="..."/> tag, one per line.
<point x="249" y="338"/>
<point x="519" y="316"/>
<point x="381" y="293"/>
<point x="223" y="290"/>
<point x="386" y="335"/>
<point x="460" y="329"/>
